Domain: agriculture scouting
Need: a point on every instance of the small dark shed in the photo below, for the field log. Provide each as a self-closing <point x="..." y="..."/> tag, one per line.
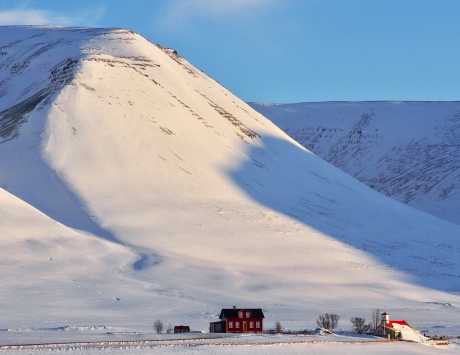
<point x="181" y="329"/>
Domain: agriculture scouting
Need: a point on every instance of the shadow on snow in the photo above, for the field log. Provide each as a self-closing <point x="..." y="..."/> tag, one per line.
<point x="288" y="179"/>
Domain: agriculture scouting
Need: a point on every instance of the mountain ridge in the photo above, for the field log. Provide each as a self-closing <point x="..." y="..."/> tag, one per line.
<point x="407" y="150"/>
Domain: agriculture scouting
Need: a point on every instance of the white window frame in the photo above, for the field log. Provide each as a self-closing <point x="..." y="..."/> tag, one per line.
<point x="251" y="324"/>
<point x="237" y="324"/>
<point x="230" y="325"/>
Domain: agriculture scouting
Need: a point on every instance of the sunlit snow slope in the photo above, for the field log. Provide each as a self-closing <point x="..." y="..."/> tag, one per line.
<point x="409" y="151"/>
<point x="134" y="187"/>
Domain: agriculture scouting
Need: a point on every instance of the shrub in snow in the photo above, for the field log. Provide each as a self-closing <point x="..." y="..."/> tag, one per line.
<point x="359" y="325"/>
<point x="170" y="329"/>
<point x="158" y="326"/>
<point x="328" y="321"/>
<point x="278" y="327"/>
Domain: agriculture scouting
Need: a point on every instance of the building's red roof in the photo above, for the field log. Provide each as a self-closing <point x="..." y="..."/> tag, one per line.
<point x="400" y="322"/>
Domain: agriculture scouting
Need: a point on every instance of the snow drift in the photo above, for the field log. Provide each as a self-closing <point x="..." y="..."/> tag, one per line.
<point x="135" y="187"/>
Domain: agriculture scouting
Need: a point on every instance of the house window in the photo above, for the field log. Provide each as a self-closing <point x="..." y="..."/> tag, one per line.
<point x="240" y="314"/>
<point x="257" y="324"/>
<point x="251" y="324"/>
<point x="248" y="314"/>
<point x="237" y="324"/>
<point x="230" y="325"/>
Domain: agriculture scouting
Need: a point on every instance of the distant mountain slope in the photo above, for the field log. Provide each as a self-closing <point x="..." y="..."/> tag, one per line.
<point x="409" y="151"/>
<point x="134" y="187"/>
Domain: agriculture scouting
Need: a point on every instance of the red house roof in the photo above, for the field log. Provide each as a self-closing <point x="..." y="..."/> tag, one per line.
<point x="400" y="322"/>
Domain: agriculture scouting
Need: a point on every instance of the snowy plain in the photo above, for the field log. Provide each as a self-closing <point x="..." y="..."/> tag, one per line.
<point x="133" y="187"/>
<point x="239" y="344"/>
<point x="297" y="349"/>
<point x="320" y="347"/>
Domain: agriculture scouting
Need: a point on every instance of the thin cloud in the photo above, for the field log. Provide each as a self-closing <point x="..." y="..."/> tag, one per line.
<point x="26" y="16"/>
<point x="31" y="17"/>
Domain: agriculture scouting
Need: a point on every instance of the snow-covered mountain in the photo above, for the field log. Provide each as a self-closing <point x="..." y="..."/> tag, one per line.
<point x="409" y="151"/>
<point x="134" y="187"/>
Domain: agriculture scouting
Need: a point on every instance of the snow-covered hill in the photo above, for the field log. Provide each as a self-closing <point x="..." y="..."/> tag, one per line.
<point x="134" y="187"/>
<point x="409" y="151"/>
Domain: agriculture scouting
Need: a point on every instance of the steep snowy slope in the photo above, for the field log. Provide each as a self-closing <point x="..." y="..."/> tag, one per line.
<point x="162" y="195"/>
<point x="409" y="151"/>
<point x="45" y="264"/>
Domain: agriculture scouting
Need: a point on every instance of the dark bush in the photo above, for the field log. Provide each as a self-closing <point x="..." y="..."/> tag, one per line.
<point x="328" y="321"/>
<point x="359" y="325"/>
<point x="158" y="326"/>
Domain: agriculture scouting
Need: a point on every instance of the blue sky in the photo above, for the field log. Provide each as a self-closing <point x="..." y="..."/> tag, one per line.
<point x="289" y="50"/>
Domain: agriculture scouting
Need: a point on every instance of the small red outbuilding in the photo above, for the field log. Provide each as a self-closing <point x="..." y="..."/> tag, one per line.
<point x="181" y="329"/>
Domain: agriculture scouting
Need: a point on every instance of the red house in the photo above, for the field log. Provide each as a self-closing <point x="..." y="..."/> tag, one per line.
<point x="239" y="320"/>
